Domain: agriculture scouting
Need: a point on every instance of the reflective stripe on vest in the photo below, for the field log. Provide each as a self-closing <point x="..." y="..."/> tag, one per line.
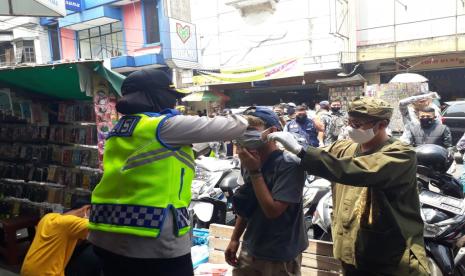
<point x="156" y="155"/>
<point x="134" y="215"/>
<point x="143" y="179"/>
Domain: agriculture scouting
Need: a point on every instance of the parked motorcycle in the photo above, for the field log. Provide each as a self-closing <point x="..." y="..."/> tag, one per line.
<point x="315" y="188"/>
<point x="212" y="188"/>
<point x="443" y="211"/>
<point x="322" y="218"/>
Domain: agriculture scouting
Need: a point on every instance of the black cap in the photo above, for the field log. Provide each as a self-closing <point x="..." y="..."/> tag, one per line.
<point x="149" y="80"/>
<point x="147" y="90"/>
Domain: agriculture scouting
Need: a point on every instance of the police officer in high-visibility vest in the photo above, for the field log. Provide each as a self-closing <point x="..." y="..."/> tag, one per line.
<point x="139" y="221"/>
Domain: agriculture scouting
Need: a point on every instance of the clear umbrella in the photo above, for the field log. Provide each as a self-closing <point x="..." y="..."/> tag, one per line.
<point x="408" y="78"/>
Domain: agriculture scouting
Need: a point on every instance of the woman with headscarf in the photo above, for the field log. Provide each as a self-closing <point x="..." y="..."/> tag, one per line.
<point x="139" y="221"/>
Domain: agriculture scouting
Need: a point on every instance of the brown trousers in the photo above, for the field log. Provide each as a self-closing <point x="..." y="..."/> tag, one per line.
<point x="251" y="266"/>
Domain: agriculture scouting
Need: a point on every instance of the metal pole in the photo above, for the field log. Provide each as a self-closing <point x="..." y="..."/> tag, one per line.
<point x="395" y="35"/>
<point x="10" y="6"/>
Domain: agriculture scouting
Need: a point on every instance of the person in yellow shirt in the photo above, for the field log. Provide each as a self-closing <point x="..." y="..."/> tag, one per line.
<point x="54" y="242"/>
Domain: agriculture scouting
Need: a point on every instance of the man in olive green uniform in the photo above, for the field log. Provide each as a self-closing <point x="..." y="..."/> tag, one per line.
<point x="377" y="228"/>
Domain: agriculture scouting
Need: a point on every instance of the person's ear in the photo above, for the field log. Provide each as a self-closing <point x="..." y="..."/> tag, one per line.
<point x="383" y="124"/>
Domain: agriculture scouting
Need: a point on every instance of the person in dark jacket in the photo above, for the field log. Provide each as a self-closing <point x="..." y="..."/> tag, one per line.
<point x="429" y="131"/>
<point x="304" y="127"/>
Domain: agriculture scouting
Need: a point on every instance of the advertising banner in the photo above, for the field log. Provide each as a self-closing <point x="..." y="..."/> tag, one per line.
<point x="282" y="69"/>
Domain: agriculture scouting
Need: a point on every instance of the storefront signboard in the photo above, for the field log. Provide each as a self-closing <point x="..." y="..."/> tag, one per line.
<point x="73" y="5"/>
<point x="182" y="53"/>
<point x="434" y="62"/>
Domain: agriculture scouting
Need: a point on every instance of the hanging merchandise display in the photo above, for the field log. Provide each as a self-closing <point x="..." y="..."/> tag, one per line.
<point x="393" y="93"/>
<point x="105" y="111"/>
<point x="51" y="141"/>
<point x="48" y="151"/>
<point x="345" y="94"/>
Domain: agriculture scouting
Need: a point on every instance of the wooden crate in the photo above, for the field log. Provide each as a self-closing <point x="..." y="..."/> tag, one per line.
<point x="317" y="259"/>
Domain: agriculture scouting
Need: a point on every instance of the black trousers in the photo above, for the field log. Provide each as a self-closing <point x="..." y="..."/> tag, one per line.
<point x="117" y="265"/>
<point x="350" y="270"/>
<point x="84" y="262"/>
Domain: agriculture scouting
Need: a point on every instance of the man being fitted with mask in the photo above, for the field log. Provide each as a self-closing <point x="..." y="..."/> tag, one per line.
<point x="274" y="236"/>
<point x="377" y="227"/>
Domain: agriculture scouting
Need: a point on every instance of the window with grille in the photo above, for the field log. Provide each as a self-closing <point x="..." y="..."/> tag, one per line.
<point x="101" y="42"/>
<point x="152" y="30"/>
<point x="25" y="52"/>
<point x="29" y="55"/>
<point x="54" y="43"/>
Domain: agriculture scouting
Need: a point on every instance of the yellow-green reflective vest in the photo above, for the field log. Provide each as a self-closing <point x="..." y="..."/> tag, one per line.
<point x="143" y="180"/>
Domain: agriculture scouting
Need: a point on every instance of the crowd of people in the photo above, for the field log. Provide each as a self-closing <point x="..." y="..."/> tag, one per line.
<point x="138" y="223"/>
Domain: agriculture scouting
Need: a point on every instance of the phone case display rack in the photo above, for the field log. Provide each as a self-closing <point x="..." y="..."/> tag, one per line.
<point x="393" y="93"/>
<point x="346" y="94"/>
<point x="47" y="164"/>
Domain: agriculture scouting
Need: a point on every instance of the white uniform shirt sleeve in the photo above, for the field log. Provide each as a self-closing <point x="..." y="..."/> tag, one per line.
<point x="186" y="130"/>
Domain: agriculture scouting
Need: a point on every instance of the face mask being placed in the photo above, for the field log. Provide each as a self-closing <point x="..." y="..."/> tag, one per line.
<point x="426" y="122"/>
<point x="361" y="136"/>
<point x="251" y="139"/>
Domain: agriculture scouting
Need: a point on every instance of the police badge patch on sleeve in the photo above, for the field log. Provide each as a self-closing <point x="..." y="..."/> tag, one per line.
<point x="125" y="127"/>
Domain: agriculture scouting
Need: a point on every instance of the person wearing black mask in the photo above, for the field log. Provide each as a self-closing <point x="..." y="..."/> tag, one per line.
<point x="429" y="131"/>
<point x="139" y="222"/>
<point x="334" y="121"/>
<point x="304" y="128"/>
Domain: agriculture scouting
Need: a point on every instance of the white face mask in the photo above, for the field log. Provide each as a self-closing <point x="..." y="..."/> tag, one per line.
<point x="251" y="139"/>
<point x="361" y="136"/>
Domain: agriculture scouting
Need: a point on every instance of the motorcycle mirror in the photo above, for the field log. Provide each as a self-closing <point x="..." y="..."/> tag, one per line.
<point x="204" y="211"/>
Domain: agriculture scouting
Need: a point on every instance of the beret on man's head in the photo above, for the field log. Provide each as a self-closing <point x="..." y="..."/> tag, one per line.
<point x="372" y="107"/>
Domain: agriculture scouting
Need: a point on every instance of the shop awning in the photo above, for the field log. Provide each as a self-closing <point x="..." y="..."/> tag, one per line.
<point x="354" y="80"/>
<point x="44" y="8"/>
<point x="91" y="17"/>
<point x="205" y="96"/>
<point x="70" y="81"/>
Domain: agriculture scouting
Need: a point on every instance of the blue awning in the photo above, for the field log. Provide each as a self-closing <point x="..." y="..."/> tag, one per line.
<point x="130" y="63"/>
<point x="92" y="17"/>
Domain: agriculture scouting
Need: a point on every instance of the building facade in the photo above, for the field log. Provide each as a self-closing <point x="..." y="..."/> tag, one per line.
<point x="128" y="35"/>
<point x="426" y="37"/>
<point x="23" y="41"/>
<point x="268" y="50"/>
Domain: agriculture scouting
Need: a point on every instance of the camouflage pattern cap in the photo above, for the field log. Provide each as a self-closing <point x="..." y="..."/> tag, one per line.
<point x="372" y="107"/>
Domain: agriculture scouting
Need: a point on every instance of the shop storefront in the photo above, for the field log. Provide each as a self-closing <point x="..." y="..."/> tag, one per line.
<point x="344" y="89"/>
<point x="53" y="121"/>
<point x="268" y="96"/>
<point x="204" y="103"/>
<point x="445" y="74"/>
<point x="280" y="82"/>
